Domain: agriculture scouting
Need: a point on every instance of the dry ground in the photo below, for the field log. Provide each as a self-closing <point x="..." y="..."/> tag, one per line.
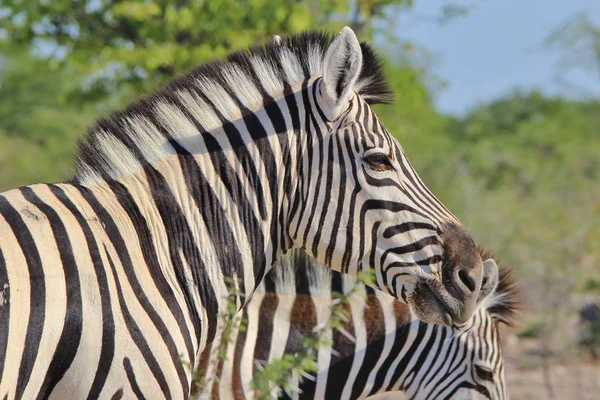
<point x="527" y="379"/>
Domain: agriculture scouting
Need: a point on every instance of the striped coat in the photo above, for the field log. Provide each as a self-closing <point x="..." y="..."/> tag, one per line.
<point x="384" y="348"/>
<point x="112" y="281"/>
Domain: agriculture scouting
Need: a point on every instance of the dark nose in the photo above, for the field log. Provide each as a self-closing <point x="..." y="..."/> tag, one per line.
<point x="466" y="280"/>
<point x="462" y="271"/>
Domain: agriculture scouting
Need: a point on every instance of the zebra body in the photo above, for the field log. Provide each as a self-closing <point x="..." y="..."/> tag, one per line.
<point x="113" y="281"/>
<point x="392" y="351"/>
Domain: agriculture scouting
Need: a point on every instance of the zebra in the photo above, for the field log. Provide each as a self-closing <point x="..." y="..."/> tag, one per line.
<point x="113" y="280"/>
<point x="384" y="348"/>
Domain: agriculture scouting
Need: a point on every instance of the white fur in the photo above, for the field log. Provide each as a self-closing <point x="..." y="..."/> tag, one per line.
<point x="148" y="139"/>
<point x="87" y="175"/>
<point x="247" y="92"/>
<point x="264" y="71"/>
<point x="201" y="111"/>
<point x="172" y="118"/>
<point x="220" y="98"/>
<point x="119" y="158"/>
<point x="344" y="55"/>
<point x="292" y="68"/>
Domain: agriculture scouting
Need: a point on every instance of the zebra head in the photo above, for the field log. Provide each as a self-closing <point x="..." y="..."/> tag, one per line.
<point x="360" y="205"/>
<point x="466" y="360"/>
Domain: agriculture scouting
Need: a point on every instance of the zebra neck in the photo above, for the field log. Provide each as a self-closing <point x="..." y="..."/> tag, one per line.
<point x="212" y="223"/>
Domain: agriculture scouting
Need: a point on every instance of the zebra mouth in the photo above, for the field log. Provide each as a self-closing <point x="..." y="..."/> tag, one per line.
<point x="429" y="306"/>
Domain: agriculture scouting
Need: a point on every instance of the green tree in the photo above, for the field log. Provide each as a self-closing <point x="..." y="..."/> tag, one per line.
<point x="145" y="42"/>
<point x="516" y="139"/>
<point x="65" y="62"/>
<point x="38" y="126"/>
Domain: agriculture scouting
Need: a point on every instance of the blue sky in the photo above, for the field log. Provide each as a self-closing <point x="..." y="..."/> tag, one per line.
<point x="496" y="48"/>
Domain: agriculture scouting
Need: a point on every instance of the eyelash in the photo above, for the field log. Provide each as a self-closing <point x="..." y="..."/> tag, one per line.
<point x="378" y="162"/>
<point x="484" y="373"/>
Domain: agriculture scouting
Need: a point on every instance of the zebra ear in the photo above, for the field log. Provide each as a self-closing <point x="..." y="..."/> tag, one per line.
<point x="341" y="67"/>
<point x="490" y="278"/>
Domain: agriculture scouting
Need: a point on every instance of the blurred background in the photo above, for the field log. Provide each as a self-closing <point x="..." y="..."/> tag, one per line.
<point x="497" y="106"/>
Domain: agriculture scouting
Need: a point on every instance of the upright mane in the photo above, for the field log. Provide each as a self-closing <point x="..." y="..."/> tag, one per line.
<point x="504" y="302"/>
<point x="208" y="97"/>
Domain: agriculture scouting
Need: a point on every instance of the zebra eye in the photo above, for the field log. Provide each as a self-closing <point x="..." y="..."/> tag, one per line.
<point x="378" y="162"/>
<point x="484" y="373"/>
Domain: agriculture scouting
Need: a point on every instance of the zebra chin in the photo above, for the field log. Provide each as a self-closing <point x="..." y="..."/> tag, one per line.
<point x="431" y="303"/>
<point x="470" y="394"/>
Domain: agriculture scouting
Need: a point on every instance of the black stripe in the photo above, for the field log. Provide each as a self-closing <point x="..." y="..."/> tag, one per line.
<point x="257" y="131"/>
<point x="264" y="336"/>
<point x="372" y="254"/>
<point x="37" y="302"/>
<point x="375" y="204"/>
<point x="426" y="261"/>
<point x="217" y="227"/>
<point x="294" y="113"/>
<point x="131" y="377"/>
<point x="174" y="221"/>
<point x="240" y="342"/>
<point x="461" y="349"/>
<point x="340" y="364"/>
<point x="278" y="121"/>
<point x="480" y="347"/>
<point x="232" y="182"/>
<point x="122" y="250"/>
<point x="453" y="382"/>
<point x="4" y="311"/>
<point x="315" y="150"/>
<point x="422" y="195"/>
<point x="406" y="227"/>
<point x="137" y="335"/>
<point x="423" y="354"/>
<point x="412" y="246"/>
<point x="118" y="395"/>
<point x="107" y="350"/>
<point x="341" y="203"/>
<point x="376" y="337"/>
<point x="415" y="346"/>
<point x="301" y="328"/>
<point x="400" y="340"/>
<point x="352" y="205"/>
<point x="372" y="134"/>
<point x="213" y="214"/>
<point x="261" y="138"/>
<point x="431" y="372"/>
<point x="66" y="349"/>
<point x="304" y="174"/>
<point x="446" y="361"/>
<point x="208" y="203"/>
<point x="326" y="193"/>
<point x="151" y="260"/>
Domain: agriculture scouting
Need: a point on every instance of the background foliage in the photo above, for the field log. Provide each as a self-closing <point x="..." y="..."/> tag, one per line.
<point x="522" y="172"/>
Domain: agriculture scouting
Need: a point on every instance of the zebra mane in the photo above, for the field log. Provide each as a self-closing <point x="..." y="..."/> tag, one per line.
<point x="504" y="302"/>
<point x="204" y="98"/>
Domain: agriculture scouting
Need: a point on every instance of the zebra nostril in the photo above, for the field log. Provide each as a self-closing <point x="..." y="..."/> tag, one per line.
<point x="466" y="280"/>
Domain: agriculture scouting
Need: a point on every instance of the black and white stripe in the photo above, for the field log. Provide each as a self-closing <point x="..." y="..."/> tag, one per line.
<point x="114" y="280"/>
<point x="392" y="351"/>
